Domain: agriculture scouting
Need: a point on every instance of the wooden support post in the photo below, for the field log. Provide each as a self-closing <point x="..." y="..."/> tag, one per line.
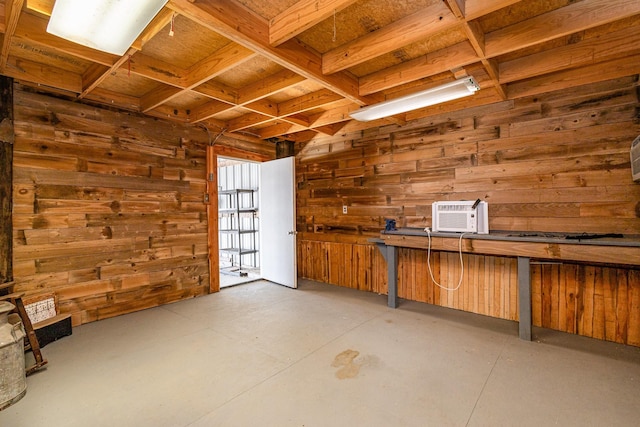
<point x="285" y="149"/>
<point x="6" y="184"/>
<point x="211" y="198"/>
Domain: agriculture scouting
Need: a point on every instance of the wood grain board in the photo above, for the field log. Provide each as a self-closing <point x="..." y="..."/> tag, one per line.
<point x="109" y="207"/>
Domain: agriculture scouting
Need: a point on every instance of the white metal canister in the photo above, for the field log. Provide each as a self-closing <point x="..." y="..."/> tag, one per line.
<point x="13" y="381"/>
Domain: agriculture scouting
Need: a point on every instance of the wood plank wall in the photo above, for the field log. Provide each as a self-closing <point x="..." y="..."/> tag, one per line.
<point x="108" y="208"/>
<point x="557" y="162"/>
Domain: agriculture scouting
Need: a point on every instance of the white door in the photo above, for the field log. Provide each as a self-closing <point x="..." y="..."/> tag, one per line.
<point x="278" y="222"/>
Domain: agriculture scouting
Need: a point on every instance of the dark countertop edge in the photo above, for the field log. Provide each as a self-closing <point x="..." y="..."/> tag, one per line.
<point x="514" y="236"/>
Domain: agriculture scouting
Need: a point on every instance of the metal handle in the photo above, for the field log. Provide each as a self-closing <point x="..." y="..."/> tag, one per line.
<point x="292" y="233"/>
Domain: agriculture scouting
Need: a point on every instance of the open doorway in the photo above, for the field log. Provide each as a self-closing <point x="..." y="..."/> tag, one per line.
<point x="238" y="221"/>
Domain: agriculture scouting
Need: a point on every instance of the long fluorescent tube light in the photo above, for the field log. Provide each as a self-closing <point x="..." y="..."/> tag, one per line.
<point x="107" y="25"/>
<point x="449" y="91"/>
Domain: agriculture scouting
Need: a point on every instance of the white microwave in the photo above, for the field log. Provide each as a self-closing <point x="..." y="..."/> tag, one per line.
<point x="465" y="216"/>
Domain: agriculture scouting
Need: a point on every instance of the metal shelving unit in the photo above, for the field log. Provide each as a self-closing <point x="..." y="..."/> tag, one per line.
<point x="238" y="227"/>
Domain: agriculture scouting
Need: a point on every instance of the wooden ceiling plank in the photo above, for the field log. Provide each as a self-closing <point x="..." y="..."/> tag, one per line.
<point x="458" y="55"/>
<point x="220" y="61"/>
<point x="12" y="10"/>
<point x="236" y="22"/>
<point x="621" y="43"/>
<point x="301" y="16"/>
<point x="477" y="8"/>
<point x="35" y="29"/>
<point x="415" y="27"/>
<point x="268" y="86"/>
<point x="307" y="102"/>
<point x="43" y="75"/>
<point x="560" y="22"/>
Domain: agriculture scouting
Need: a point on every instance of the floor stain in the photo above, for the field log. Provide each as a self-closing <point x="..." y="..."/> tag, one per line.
<point x="345" y="361"/>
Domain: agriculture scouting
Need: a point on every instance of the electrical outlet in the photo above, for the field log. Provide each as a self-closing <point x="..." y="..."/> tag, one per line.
<point x="344" y="209"/>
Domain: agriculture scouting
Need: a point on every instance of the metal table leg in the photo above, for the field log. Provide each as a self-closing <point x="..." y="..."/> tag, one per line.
<point x="524" y="298"/>
<point x="392" y="276"/>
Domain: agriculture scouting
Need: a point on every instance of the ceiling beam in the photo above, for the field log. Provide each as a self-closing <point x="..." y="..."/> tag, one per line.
<point x="96" y="73"/>
<point x="264" y="107"/>
<point x="234" y="21"/>
<point x="268" y="86"/>
<point x="158" y="96"/>
<point x="35" y="29"/>
<point x="43" y="74"/>
<point x="220" y="61"/>
<point x="155" y="69"/>
<point x="42" y="6"/>
<point x="208" y="68"/>
<point x="415" y="27"/>
<point x="437" y="62"/>
<point x="622" y="43"/>
<point x="246" y="121"/>
<point x="457" y="8"/>
<point x="206" y="111"/>
<point x="279" y="129"/>
<point x="12" y="10"/>
<point x="219" y="91"/>
<point x="130" y="103"/>
<point x="557" y="23"/>
<point x="252" y="93"/>
<point x="475" y="35"/>
<point x="475" y="8"/>
<point x="161" y="20"/>
<point x="307" y="102"/>
<point x="616" y="68"/>
<point x="301" y="16"/>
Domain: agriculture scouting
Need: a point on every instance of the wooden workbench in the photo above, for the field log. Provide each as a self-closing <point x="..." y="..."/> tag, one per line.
<point x="523" y="245"/>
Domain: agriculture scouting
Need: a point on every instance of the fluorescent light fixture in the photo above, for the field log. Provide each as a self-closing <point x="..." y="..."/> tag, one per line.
<point x="107" y="25"/>
<point x="449" y="91"/>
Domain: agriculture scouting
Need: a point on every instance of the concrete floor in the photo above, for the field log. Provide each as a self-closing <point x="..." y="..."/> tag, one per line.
<point x="227" y="280"/>
<point x="264" y="355"/>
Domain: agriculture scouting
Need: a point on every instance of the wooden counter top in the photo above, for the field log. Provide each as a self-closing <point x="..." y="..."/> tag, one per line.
<point x="552" y="246"/>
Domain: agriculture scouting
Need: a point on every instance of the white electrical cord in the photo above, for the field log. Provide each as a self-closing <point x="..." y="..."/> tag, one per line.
<point x="428" y="230"/>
